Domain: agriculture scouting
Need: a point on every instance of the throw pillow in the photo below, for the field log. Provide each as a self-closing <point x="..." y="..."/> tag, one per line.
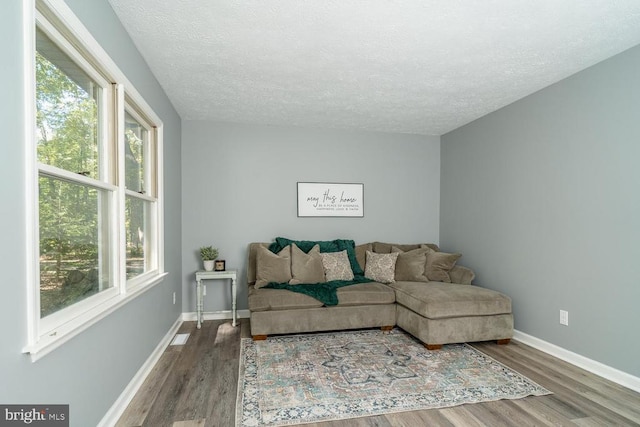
<point x="306" y="268"/>
<point x="272" y="267"/>
<point x="411" y="265"/>
<point x="336" y="266"/>
<point x="381" y="267"/>
<point x="439" y="264"/>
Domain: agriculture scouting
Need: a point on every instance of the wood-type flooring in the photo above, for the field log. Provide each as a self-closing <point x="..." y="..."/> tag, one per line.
<point x="194" y="385"/>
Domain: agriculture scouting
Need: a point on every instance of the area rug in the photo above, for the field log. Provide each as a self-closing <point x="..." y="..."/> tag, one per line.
<point x="298" y="379"/>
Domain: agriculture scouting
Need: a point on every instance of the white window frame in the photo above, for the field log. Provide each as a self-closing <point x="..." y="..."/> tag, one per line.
<point x="57" y="20"/>
<point x="151" y="195"/>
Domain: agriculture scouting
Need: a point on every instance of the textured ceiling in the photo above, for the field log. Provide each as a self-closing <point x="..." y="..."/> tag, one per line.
<point x="410" y="66"/>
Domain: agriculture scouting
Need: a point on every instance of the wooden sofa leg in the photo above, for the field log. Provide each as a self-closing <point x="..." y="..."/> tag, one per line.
<point x="433" y="346"/>
<point x="503" y="341"/>
<point x="259" y="337"/>
<point x="386" y="328"/>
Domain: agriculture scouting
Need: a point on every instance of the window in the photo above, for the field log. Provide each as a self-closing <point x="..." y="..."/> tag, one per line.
<point x="97" y="192"/>
<point x="140" y="194"/>
<point x="74" y="195"/>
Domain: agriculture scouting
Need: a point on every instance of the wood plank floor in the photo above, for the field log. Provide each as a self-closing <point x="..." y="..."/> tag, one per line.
<point x="195" y="385"/>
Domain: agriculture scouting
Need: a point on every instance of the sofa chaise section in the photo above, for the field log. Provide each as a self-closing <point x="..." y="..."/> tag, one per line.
<point x="441" y="313"/>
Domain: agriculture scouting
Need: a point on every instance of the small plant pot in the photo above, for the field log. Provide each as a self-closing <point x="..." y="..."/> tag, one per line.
<point x="208" y="265"/>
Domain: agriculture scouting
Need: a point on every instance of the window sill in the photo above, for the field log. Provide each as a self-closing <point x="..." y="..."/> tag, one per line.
<point x="54" y="339"/>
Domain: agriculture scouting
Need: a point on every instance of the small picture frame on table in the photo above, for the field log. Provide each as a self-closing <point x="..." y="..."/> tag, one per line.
<point x="219" y="265"/>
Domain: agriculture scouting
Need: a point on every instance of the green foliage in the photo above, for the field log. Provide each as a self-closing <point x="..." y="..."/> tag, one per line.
<point x="67" y="125"/>
<point x="208" y="253"/>
<point x="67" y="121"/>
<point x="74" y="218"/>
<point x="69" y="242"/>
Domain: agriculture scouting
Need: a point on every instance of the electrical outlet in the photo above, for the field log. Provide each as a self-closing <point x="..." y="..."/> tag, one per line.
<point x="564" y="317"/>
<point x="174" y="297"/>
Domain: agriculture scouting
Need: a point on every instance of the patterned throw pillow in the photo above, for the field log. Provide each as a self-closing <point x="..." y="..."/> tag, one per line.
<point x="336" y="266"/>
<point x="272" y="267"/>
<point x="411" y="264"/>
<point x="381" y="267"/>
<point x="306" y="268"/>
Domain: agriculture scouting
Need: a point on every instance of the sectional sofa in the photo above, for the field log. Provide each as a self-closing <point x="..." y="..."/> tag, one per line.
<point x="438" y="304"/>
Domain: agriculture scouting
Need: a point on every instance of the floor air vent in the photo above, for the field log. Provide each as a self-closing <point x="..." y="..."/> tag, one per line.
<point x="180" y="339"/>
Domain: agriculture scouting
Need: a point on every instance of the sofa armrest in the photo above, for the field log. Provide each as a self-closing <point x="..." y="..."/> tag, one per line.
<point x="462" y="275"/>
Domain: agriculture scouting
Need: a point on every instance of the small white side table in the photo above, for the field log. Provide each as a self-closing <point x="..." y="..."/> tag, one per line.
<point x="215" y="275"/>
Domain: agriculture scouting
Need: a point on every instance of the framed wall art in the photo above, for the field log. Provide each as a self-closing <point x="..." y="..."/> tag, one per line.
<point x="330" y="199"/>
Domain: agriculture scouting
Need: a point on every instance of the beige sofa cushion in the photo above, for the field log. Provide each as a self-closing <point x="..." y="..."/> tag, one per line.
<point x="411" y="264"/>
<point x="462" y="275"/>
<point x="437" y="300"/>
<point x="272" y="267"/>
<point x="306" y="268"/>
<point x="265" y="299"/>
<point x="361" y="254"/>
<point x="372" y="293"/>
<point x="252" y="256"/>
<point x="439" y="264"/>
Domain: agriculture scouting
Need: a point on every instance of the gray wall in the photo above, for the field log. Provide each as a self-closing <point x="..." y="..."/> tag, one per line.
<point x="90" y="371"/>
<point x="239" y="186"/>
<point x="543" y="199"/>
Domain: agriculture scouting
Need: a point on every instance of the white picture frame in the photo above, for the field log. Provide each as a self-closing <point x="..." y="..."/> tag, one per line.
<point x="330" y="199"/>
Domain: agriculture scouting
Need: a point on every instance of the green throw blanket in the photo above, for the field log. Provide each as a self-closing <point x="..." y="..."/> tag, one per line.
<point x="326" y="292"/>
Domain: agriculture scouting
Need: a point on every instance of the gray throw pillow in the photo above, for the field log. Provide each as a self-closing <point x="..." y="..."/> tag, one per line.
<point x="361" y="253"/>
<point x="272" y="267"/>
<point x="439" y="264"/>
<point x="411" y="265"/>
<point x="306" y="268"/>
<point x="381" y="267"/>
<point x="336" y="266"/>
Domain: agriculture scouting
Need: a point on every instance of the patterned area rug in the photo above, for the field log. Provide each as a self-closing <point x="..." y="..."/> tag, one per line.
<point x="298" y="379"/>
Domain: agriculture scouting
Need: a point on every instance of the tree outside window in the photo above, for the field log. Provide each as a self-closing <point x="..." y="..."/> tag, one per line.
<point x="73" y="265"/>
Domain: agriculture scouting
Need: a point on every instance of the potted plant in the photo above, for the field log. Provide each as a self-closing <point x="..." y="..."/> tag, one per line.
<point x="208" y="254"/>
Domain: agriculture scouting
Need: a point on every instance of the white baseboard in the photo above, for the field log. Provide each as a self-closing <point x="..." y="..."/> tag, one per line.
<point x="215" y="315"/>
<point x="600" y="369"/>
<point x="117" y="409"/>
